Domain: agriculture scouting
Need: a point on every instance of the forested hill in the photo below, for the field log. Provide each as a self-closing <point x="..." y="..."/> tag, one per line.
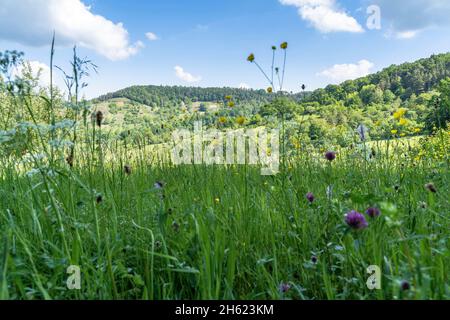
<point x="396" y="81"/>
<point x="160" y="96"/>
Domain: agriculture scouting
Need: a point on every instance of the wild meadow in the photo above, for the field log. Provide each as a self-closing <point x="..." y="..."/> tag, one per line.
<point x="139" y="227"/>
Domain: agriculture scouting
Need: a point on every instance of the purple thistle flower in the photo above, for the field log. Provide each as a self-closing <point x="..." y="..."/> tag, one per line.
<point x="310" y="197"/>
<point x="285" y="287"/>
<point x="373" y="212"/>
<point x="356" y="220"/>
<point x="330" y="155"/>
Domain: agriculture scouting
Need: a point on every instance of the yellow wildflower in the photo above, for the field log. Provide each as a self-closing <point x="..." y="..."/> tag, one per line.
<point x="394" y="131"/>
<point x="251" y="58"/>
<point x="222" y="119"/>
<point x="400" y="113"/>
<point x="284" y="45"/>
<point x="240" y="120"/>
<point x="231" y="104"/>
<point x="269" y="90"/>
<point x="403" y="122"/>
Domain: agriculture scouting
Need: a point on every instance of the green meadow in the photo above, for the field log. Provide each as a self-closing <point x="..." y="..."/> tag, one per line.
<point x="82" y="187"/>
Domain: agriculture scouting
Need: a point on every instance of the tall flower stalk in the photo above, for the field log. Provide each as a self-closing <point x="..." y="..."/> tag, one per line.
<point x="274" y="70"/>
<point x="283" y="46"/>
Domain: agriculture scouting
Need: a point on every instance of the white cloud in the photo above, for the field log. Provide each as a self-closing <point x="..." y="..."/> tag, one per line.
<point x="185" y="76"/>
<point x="325" y="15"/>
<point x="151" y="36"/>
<point x="405" y="20"/>
<point x="342" y="72"/>
<point x="36" y="69"/>
<point x="32" y="22"/>
<point x="244" y="86"/>
<point x="407" y="34"/>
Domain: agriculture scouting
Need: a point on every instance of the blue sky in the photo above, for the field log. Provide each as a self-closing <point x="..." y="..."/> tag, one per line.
<point x="208" y="41"/>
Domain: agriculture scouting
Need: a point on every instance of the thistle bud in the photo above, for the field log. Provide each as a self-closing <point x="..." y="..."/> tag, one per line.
<point x="99" y="118"/>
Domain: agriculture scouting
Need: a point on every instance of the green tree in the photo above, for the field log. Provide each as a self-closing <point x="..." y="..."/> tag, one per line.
<point x="371" y="94"/>
<point x="439" y="107"/>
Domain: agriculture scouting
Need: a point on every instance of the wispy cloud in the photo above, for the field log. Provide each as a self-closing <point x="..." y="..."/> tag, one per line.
<point x="342" y="72"/>
<point x="186" y="76"/>
<point x="32" y="23"/>
<point x="325" y="15"/>
<point x="407" y="34"/>
<point x="151" y="36"/>
<point x="202" y="27"/>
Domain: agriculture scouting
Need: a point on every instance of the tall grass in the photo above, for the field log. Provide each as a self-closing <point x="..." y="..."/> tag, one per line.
<point x="216" y="233"/>
<point x="155" y="231"/>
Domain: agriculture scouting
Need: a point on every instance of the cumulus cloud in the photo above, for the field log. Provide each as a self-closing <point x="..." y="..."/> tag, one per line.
<point x="32" y="22"/>
<point x="151" y="36"/>
<point x="341" y="72"/>
<point x="406" y="19"/>
<point x="36" y="69"/>
<point x="185" y="76"/>
<point x="325" y="15"/>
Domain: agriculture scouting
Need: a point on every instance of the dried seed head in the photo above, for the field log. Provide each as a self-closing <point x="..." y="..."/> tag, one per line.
<point x="430" y="187"/>
<point x="405" y="285"/>
<point x="69" y="158"/>
<point x="99" y="118"/>
<point x="127" y="170"/>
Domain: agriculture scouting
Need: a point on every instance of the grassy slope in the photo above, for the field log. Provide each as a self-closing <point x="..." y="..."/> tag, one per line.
<point x="197" y="239"/>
